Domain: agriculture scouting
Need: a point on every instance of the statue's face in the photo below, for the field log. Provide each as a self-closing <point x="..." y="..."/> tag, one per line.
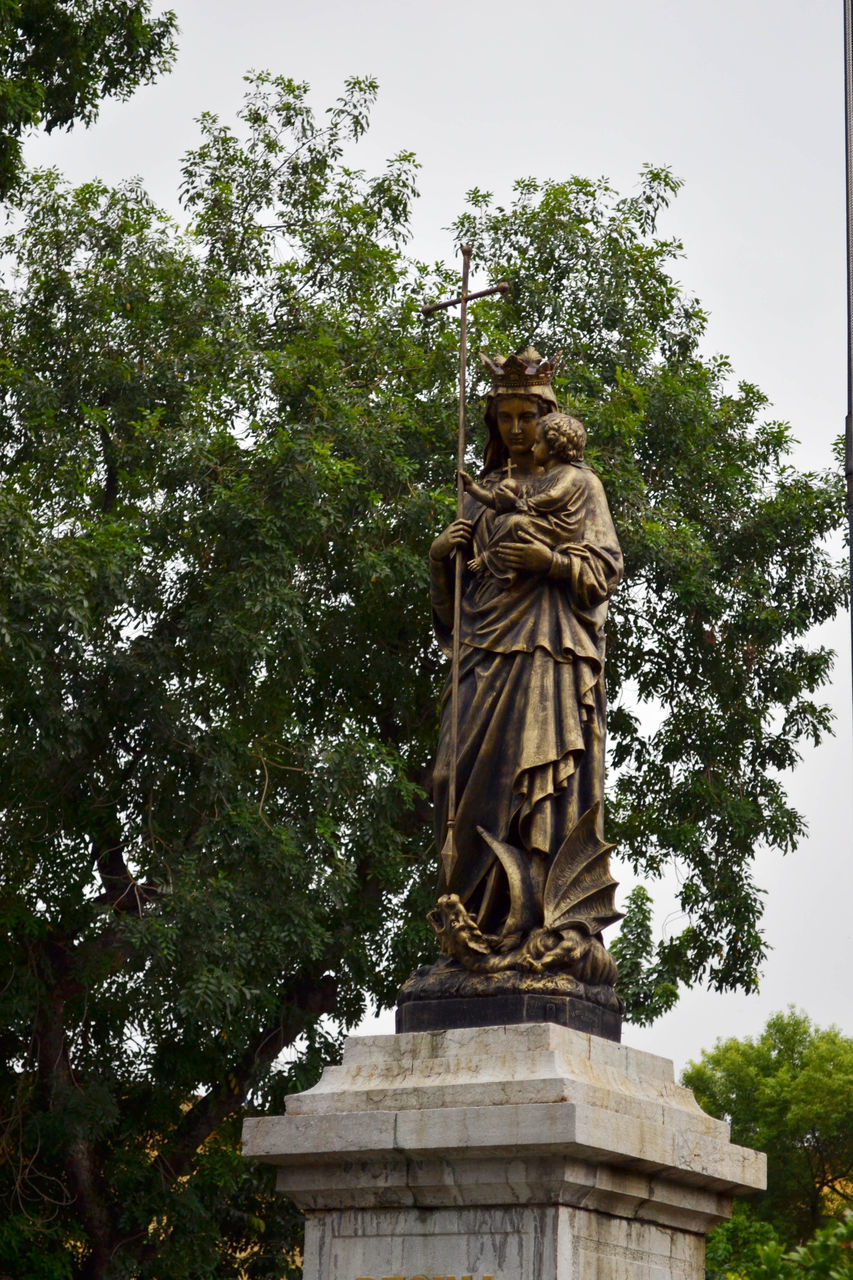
<point x="517" y="418"/>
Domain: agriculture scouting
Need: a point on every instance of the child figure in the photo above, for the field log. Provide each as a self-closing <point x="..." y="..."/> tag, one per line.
<point x="550" y="509"/>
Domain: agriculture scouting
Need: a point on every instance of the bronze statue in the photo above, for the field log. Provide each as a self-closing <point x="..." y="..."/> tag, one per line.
<point x="525" y="886"/>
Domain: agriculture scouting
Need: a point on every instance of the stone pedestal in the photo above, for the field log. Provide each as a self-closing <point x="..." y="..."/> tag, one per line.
<point x="527" y="1152"/>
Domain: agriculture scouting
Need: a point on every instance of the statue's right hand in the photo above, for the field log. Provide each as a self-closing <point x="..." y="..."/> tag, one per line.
<point x="458" y="534"/>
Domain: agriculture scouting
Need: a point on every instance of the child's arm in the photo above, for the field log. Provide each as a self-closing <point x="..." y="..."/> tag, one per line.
<point x="504" y="497"/>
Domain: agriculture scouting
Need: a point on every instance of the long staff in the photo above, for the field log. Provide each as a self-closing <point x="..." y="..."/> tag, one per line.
<point x="448" y="850"/>
<point x="848" y="141"/>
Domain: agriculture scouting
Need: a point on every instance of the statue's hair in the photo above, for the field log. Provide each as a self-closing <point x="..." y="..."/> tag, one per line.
<point x="564" y="435"/>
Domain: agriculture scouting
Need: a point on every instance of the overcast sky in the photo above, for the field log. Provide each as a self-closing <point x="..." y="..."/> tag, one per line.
<point x="744" y="100"/>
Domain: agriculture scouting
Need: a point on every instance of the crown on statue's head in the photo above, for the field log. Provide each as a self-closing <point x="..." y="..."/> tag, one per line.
<point x="522" y="372"/>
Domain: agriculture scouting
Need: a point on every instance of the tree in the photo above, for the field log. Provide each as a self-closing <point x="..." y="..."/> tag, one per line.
<point x="645" y="982"/>
<point x="202" y="507"/>
<point x="60" y="58"/>
<point x="827" y="1255"/>
<point x="788" y="1092"/>
<point x="224" y="452"/>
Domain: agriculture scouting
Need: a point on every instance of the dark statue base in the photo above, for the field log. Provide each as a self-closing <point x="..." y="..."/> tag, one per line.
<point x="446" y="995"/>
<point x="502" y="1011"/>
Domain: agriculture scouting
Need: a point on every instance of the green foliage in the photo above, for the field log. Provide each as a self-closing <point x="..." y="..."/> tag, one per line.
<point x="59" y="58"/>
<point x="827" y="1255"/>
<point x="790" y="1093"/>
<point x="218" y="686"/>
<point x="644" y="983"/>
<point x="224" y="452"/>
<point x="735" y="1247"/>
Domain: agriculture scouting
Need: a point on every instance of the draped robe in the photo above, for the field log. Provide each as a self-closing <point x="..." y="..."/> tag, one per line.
<point x="531" y="688"/>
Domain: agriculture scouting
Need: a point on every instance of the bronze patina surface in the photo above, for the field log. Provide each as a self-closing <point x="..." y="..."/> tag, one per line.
<point x="525" y="886"/>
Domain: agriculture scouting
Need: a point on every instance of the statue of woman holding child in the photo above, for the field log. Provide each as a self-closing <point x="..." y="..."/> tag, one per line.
<point x="524" y="898"/>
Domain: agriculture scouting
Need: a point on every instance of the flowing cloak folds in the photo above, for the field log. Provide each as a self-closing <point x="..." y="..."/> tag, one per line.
<point x="531" y="688"/>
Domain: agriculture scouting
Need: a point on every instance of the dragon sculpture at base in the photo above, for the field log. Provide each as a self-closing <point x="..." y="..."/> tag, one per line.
<point x="559" y="931"/>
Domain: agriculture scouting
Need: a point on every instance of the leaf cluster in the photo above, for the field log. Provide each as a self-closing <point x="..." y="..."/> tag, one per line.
<point x="748" y="1249"/>
<point x="788" y="1092"/>
<point x="60" y="58"/>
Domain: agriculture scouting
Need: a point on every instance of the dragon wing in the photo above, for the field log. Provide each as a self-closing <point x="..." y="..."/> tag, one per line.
<point x="522" y="896"/>
<point x="579" y="888"/>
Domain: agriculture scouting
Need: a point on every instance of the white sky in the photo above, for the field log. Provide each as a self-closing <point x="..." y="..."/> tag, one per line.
<point x="744" y="100"/>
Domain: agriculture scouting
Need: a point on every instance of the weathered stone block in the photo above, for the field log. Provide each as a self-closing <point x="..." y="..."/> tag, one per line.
<point x="527" y="1152"/>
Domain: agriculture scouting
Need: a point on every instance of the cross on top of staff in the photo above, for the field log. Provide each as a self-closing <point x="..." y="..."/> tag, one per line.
<point x="465" y="296"/>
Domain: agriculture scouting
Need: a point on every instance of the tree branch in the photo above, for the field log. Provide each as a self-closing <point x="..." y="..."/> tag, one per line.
<point x="57" y="1082"/>
<point x="308" y="999"/>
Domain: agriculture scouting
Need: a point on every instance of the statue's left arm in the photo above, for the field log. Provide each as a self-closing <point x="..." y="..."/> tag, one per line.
<point x="592" y="573"/>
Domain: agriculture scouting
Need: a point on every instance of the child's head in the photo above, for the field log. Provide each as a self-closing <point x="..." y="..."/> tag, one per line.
<point x="559" y="437"/>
